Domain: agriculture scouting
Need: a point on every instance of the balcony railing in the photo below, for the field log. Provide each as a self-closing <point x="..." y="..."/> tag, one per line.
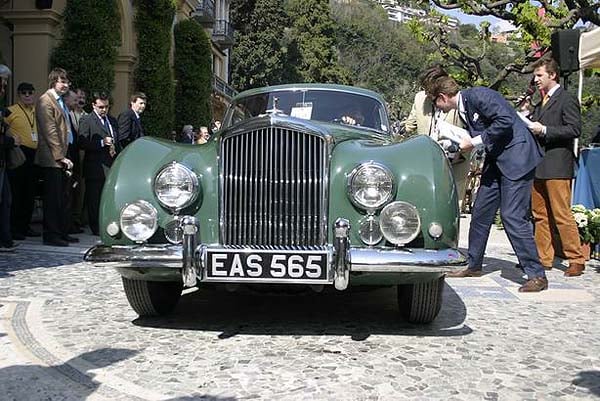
<point x="205" y="13"/>
<point x="223" y="88"/>
<point x="223" y="33"/>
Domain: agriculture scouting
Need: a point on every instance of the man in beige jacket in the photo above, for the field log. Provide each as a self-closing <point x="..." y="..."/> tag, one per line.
<point x="54" y="136"/>
<point x="422" y="120"/>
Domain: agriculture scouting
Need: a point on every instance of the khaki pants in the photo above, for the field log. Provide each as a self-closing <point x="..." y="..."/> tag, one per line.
<point x="551" y="206"/>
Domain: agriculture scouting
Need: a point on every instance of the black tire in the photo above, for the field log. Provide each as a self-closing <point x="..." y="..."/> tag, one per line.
<point x="152" y="298"/>
<point x="421" y="302"/>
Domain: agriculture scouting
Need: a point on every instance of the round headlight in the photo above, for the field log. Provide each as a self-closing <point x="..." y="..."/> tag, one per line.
<point x="400" y="222"/>
<point x="370" y="186"/>
<point x="176" y="186"/>
<point x="139" y="220"/>
<point x="369" y="231"/>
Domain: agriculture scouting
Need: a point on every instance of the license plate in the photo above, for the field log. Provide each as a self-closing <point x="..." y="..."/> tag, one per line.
<point x="266" y="266"/>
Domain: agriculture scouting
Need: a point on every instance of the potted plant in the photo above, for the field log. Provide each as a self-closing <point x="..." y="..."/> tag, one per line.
<point x="588" y="225"/>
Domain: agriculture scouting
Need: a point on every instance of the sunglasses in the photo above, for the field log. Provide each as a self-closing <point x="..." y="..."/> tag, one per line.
<point x="26" y="93"/>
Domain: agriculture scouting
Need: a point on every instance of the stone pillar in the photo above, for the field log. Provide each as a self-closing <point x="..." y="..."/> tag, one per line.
<point x="34" y="36"/>
<point x="123" y="83"/>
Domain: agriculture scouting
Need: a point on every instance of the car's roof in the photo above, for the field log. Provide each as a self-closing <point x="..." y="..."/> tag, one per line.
<point x="330" y="87"/>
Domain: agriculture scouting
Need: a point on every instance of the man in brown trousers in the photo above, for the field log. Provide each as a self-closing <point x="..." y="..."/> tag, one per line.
<point x="54" y="136"/>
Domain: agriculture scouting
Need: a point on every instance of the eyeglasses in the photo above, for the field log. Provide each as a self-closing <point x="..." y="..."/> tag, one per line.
<point x="101" y="107"/>
<point x="26" y="93"/>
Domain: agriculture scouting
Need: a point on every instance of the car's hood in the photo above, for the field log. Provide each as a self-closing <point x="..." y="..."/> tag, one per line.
<point x="332" y="132"/>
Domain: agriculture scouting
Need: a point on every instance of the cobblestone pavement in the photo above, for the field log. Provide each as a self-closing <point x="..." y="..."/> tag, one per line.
<point x="67" y="333"/>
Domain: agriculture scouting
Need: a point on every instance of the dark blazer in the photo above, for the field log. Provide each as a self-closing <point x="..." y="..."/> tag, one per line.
<point x="562" y="118"/>
<point x="507" y="140"/>
<point x="130" y="128"/>
<point x="97" y="158"/>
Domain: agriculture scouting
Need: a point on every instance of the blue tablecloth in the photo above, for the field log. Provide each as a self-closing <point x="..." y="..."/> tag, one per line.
<point x="587" y="182"/>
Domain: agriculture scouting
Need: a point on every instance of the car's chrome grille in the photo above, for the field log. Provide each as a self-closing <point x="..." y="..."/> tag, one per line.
<point x="273" y="188"/>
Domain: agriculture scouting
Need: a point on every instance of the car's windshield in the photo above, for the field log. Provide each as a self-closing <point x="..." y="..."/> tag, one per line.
<point x="312" y="104"/>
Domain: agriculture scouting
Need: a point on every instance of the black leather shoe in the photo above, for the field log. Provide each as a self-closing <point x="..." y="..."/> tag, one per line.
<point x="56" y="242"/>
<point x="18" y="236"/>
<point x="75" y="230"/>
<point x="69" y="238"/>
<point x="32" y="233"/>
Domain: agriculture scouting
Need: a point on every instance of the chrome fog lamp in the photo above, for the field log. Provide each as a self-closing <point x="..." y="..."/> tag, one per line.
<point x="400" y="222"/>
<point x="174" y="231"/>
<point x="176" y="186"/>
<point x="370" y="186"/>
<point x="435" y="230"/>
<point x="139" y="220"/>
<point x="370" y="231"/>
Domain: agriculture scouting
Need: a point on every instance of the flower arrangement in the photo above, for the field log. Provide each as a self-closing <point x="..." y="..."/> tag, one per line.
<point x="588" y="223"/>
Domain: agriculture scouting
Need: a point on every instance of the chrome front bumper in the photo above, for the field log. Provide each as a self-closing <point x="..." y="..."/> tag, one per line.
<point x="343" y="261"/>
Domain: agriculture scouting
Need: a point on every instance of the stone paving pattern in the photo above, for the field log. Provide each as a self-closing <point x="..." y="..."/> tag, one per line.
<point x="68" y="333"/>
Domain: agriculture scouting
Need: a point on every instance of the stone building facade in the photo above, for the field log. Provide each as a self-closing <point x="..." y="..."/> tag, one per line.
<point x="30" y="29"/>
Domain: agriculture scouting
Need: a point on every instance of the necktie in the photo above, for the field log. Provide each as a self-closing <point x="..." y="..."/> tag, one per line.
<point x="66" y="111"/>
<point x="545" y="99"/>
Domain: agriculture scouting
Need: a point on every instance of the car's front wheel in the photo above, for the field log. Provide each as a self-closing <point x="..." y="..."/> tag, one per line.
<point x="152" y="298"/>
<point x="421" y="302"/>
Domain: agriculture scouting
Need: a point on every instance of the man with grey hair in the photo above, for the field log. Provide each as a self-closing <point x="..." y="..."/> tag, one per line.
<point x="6" y="143"/>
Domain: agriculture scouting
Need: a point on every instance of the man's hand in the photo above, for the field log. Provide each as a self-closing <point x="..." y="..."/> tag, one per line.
<point x="537" y="128"/>
<point x="465" y="145"/>
<point x="67" y="164"/>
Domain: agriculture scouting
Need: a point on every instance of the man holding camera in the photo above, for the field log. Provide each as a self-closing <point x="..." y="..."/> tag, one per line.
<point x="54" y="137"/>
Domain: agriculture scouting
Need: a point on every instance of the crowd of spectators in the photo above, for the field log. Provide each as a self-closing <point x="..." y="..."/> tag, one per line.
<point x="66" y="150"/>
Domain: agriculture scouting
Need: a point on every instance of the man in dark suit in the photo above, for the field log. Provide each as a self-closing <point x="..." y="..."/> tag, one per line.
<point x="130" y="126"/>
<point x="54" y="137"/>
<point x="97" y="137"/>
<point x="557" y="124"/>
<point x="512" y="153"/>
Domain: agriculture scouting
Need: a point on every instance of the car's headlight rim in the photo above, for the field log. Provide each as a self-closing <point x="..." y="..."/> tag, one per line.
<point x="194" y="183"/>
<point x="350" y="184"/>
<point x="126" y="229"/>
<point x="383" y="224"/>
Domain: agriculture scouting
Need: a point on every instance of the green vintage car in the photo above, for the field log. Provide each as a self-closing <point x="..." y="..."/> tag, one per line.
<point x="304" y="185"/>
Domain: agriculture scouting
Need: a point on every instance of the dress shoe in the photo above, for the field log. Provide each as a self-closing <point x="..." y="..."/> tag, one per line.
<point x="55" y="242"/>
<point x="536" y="284"/>
<point x="465" y="273"/>
<point x="69" y="238"/>
<point x="575" y="269"/>
<point x="18" y="236"/>
<point x="32" y="233"/>
<point x="8" y="246"/>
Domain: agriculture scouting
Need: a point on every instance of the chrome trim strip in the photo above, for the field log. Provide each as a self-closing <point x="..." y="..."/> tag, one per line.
<point x="406" y="260"/>
<point x="170" y="256"/>
<point x="361" y="259"/>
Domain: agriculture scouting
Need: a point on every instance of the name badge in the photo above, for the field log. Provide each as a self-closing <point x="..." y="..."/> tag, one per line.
<point x="34" y="136"/>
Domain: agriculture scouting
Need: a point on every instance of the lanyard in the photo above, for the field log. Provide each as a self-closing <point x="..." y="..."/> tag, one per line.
<point x="29" y="120"/>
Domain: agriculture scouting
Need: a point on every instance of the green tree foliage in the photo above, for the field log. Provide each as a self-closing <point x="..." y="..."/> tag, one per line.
<point x="381" y="55"/>
<point x="88" y="49"/>
<point x="193" y="73"/>
<point x="153" y="75"/>
<point x="260" y="54"/>
<point x="313" y="29"/>
<point x="534" y="25"/>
